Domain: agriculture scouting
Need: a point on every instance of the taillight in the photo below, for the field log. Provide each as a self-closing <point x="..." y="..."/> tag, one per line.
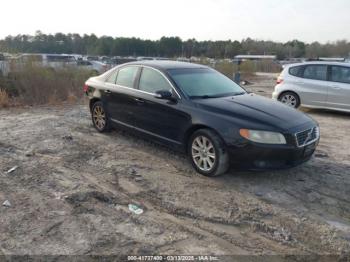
<point x="279" y="81"/>
<point x="85" y="88"/>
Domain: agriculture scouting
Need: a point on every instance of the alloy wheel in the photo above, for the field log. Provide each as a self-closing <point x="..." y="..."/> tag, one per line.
<point x="289" y="100"/>
<point x="99" y="117"/>
<point x="203" y="153"/>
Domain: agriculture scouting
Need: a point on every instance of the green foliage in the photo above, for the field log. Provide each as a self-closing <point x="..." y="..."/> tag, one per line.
<point x="170" y="46"/>
<point x="166" y="46"/>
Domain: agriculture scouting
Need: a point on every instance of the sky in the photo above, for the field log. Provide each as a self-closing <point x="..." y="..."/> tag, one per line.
<point x="277" y="20"/>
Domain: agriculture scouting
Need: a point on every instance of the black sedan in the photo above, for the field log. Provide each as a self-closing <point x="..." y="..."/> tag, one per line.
<point x="197" y="109"/>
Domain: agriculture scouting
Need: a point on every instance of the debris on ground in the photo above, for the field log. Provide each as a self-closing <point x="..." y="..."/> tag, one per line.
<point x="135" y="209"/>
<point x="12" y="169"/>
<point x="138" y="179"/>
<point x="58" y="195"/>
<point x="132" y="172"/>
<point x="246" y="82"/>
<point x="6" y="203"/>
<point x="68" y="138"/>
<point x="29" y="153"/>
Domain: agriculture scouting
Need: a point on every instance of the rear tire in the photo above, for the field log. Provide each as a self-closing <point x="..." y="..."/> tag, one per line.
<point x="290" y="99"/>
<point x="208" y="154"/>
<point x="100" y="117"/>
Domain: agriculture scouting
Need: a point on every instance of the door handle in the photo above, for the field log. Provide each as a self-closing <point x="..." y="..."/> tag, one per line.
<point x="139" y="100"/>
<point x="108" y="91"/>
<point x="336" y="87"/>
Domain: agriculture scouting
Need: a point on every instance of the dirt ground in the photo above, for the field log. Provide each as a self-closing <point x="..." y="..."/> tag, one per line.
<point x="71" y="190"/>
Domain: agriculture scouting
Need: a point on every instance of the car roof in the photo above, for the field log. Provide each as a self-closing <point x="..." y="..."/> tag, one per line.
<point x="318" y="63"/>
<point x="166" y="64"/>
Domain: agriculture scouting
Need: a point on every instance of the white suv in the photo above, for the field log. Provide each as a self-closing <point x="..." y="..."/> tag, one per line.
<point x="315" y="85"/>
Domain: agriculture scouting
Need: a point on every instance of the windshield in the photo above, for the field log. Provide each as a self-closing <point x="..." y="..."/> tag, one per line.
<point x="204" y="83"/>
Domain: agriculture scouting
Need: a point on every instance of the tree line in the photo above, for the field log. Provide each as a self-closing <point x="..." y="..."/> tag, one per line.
<point x="167" y="46"/>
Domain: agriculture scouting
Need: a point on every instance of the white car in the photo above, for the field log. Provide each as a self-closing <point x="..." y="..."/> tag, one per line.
<point x="315" y="85"/>
<point x="94" y="66"/>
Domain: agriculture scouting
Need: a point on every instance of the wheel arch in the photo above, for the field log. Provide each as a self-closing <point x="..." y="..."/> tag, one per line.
<point x="93" y="101"/>
<point x="190" y="131"/>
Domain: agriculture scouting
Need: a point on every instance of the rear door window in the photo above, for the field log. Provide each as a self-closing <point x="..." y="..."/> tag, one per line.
<point x="317" y="72"/>
<point x="340" y="74"/>
<point x="126" y="76"/>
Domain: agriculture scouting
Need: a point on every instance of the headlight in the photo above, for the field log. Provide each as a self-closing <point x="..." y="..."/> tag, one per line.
<point x="264" y="137"/>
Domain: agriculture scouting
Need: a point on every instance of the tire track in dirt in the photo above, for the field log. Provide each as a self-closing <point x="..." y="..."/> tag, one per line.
<point x="76" y="184"/>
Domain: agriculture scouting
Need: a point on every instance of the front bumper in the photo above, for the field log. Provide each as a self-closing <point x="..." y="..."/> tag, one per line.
<point x="253" y="156"/>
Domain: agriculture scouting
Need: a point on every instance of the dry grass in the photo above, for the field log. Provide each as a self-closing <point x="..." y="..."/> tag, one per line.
<point x="4" y="99"/>
<point x="72" y="99"/>
<point x="226" y="68"/>
<point x="35" y="85"/>
<point x="247" y="68"/>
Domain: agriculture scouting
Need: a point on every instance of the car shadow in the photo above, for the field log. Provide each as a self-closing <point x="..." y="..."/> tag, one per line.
<point x="320" y="187"/>
<point x="325" y="112"/>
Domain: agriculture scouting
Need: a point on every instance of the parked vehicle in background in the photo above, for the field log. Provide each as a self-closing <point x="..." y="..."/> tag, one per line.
<point x="315" y="85"/>
<point x="95" y="67"/>
<point x="144" y="58"/>
<point x="118" y="60"/>
<point x="202" y="112"/>
<point x="53" y="61"/>
<point x="58" y="61"/>
<point x="91" y="58"/>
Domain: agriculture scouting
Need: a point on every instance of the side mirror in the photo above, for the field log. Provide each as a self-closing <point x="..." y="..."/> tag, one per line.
<point x="164" y="94"/>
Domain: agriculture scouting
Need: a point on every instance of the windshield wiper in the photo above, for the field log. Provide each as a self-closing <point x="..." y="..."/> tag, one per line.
<point x="239" y="94"/>
<point x="217" y="96"/>
<point x="203" y="97"/>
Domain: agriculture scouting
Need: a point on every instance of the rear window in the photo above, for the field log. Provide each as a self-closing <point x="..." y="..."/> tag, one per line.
<point x="294" y="71"/>
<point x="316" y="72"/>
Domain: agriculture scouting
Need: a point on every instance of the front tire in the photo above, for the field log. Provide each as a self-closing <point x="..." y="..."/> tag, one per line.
<point x="208" y="153"/>
<point x="100" y="118"/>
<point x="290" y="99"/>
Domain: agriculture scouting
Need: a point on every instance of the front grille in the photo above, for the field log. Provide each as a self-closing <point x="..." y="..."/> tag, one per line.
<point x="307" y="137"/>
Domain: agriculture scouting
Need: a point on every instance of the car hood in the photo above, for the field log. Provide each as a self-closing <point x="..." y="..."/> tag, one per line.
<point x="255" y="109"/>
